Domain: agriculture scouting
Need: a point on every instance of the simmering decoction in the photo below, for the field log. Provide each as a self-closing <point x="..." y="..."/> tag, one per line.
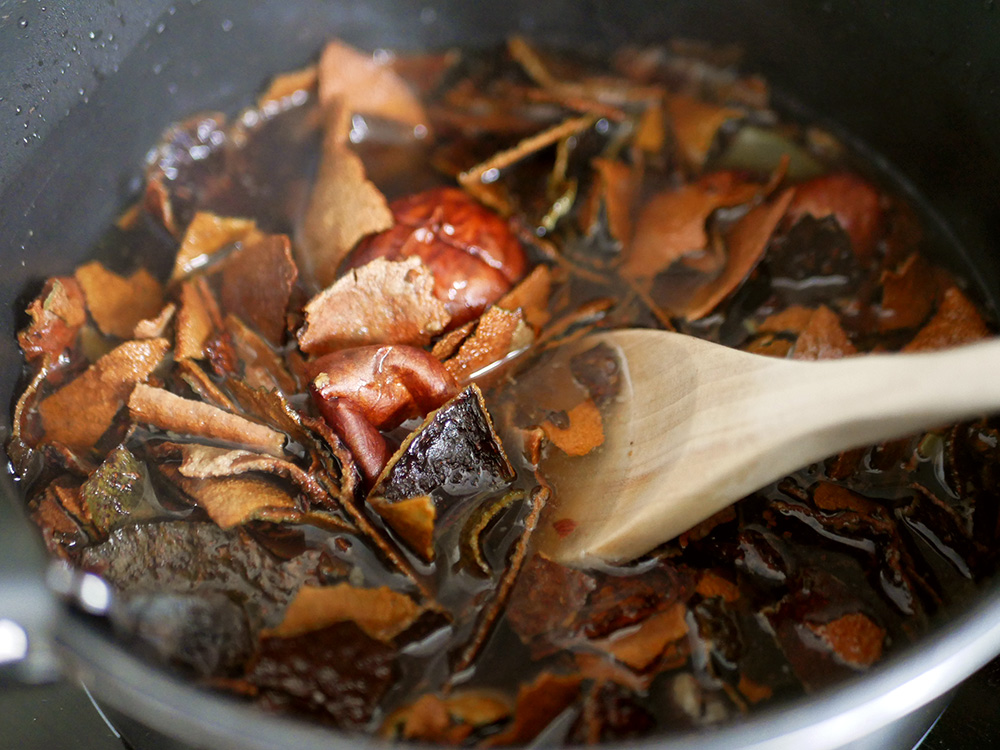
<point x="297" y="411"/>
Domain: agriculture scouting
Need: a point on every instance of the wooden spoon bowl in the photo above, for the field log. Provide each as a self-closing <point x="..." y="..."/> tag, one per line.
<point x="697" y="426"/>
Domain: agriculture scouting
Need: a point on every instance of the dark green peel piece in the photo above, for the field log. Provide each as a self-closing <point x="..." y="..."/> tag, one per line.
<point x="116" y="492"/>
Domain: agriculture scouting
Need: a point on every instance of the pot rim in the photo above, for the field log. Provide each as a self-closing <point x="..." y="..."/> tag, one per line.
<point x="826" y="720"/>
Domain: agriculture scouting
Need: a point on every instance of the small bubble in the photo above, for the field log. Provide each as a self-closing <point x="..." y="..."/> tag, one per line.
<point x="157" y="69"/>
<point x="490" y="175"/>
<point x="80" y="91"/>
<point x="428" y="16"/>
<point x="227" y="25"/>
<point x="160" y="27"/>
<point x="18" y="110"/>
<point x="22" y="22"/>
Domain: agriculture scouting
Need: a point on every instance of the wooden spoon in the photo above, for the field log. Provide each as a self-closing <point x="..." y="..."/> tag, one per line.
<point x="697" y="426"/>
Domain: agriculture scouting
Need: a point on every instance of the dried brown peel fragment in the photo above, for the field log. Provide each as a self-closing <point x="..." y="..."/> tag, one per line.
<point x="412" y="520"/>
<point x="81" y="411"/>
<point x="538" y="703"/>
<point x="472" y="179"/>
<point x="712" y="584"/>
<point x="455" y="450"/>
<point x="197" y="319"/>
<point x="57" y="314"/>
<point x="344" y="207"/>
<point x="116" y="303"/>
<point x="210" y="462"/>
<point x="531" y="297"/>
<point x="287" y="85"/>
<point x="601" y="669"/>
<point x="380" y="612"/>
<point x="332" y="462"/>
<point x="155" y="327"/>
<point x="63" y="531"/>
<point x="746" y="243"/>
<point x="615" y="190"/>
<point x="956" y="322"/>
<point x="206" y="235"/>
<point x="262" y="366"/>
<point x="792" y="319"/>
<point x="695" y="124"/>
<point x="448" y="344"/>
<point x="381" y="302"/>
<point x="856" y="640"/>
<point x="156" y="201"/>
<point x="582" y="432"/>
<point x="908" y="294"/>
<point x="833" y="497"/>
<point x="162" y="409"/>
<point x="195" y="377"/>
<point x="671" y="225"/>
<point x="237" y="500"/>
<point x="364" y="84"/>
<point x="597" y="89"/>
<point x="823" y="337"/>
<point x="753" y="691"/>
<point x="446" y="721"/>
<point x="257" y="282"/>
<point x="498" y="334"/>
<point x="640" y="647"/>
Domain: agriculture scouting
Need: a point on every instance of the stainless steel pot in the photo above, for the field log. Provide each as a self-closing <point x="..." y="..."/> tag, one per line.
<point x="86" y="87"/>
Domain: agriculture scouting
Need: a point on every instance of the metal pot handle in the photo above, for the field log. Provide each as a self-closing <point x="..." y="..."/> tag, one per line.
<point x="29" y="610"/>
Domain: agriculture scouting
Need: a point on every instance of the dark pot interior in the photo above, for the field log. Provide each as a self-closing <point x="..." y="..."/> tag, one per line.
<point x="86" y="91"/>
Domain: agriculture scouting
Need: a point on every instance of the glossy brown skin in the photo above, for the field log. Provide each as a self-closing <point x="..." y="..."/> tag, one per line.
<point x="386" y="384"/>
<point x="366" y="443"/>
<point x="474" y="255"/>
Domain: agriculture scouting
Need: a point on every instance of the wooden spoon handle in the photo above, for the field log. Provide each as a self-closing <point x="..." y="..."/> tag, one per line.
<point x="834" y="405"/>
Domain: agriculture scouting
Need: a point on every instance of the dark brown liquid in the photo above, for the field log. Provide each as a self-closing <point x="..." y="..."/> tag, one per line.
<point x="921" y="539"/>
